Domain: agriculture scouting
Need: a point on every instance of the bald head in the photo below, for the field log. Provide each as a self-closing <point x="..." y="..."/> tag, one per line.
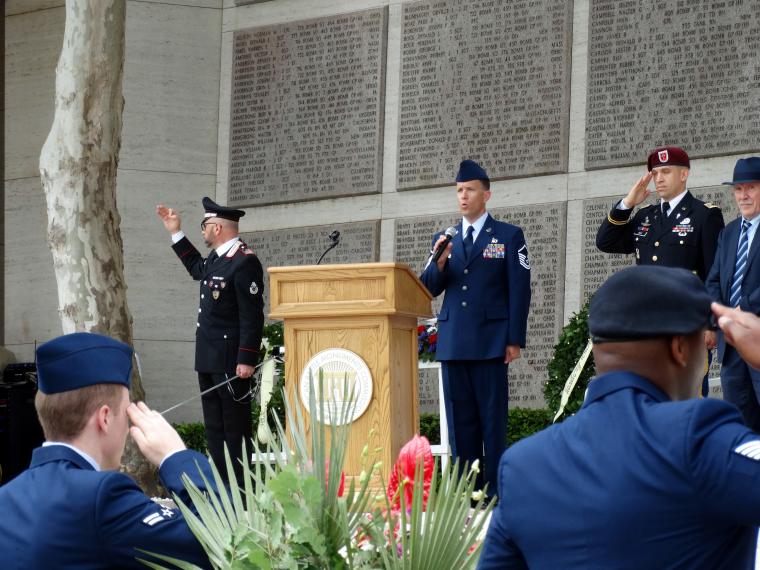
<point x="674" y="364"/>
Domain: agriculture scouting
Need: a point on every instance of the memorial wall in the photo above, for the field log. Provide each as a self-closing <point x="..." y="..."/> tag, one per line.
<point x="353" y="115"/>
<point x="358" y="118"/>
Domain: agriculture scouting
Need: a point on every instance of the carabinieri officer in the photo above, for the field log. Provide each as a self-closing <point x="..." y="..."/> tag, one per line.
<point x="229" y="327"/>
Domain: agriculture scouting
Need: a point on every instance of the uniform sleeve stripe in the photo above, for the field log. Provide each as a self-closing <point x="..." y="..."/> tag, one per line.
<point x="615" y="222"/>
<point x="749" y="449"/>
<point x="150" y="520"/>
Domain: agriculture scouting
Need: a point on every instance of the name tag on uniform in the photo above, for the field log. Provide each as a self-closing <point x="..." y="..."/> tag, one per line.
<point x="494" y="251"/>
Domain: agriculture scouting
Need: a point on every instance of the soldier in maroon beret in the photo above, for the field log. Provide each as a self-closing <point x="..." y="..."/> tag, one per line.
<point x="678" y="230"/>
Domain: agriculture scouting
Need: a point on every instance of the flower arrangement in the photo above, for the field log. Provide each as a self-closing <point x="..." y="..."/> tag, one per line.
<point x="302" y="512"/>
<point x="427" y="340"/>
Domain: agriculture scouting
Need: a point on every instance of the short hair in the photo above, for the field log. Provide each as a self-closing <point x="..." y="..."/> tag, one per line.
<point x="64" y="415"/>
<point x="486" y="184"/>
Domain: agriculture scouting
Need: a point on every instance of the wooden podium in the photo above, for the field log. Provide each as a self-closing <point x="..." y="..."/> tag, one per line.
<point x="370" y="309"/>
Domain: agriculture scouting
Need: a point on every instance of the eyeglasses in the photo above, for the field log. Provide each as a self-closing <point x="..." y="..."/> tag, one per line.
<point x="204" y="224"/>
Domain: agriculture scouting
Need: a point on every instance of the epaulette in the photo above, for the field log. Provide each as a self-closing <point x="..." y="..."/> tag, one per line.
<point x="245" y="249"/>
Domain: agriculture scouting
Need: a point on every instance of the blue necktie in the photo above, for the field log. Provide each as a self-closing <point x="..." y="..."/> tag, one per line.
<point x="468" y="242"/>
<point x="741" y="265"/>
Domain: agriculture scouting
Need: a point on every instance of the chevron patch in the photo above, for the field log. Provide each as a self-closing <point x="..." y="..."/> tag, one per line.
<point x="522" y="256"/>
<point x="749" y="449"/>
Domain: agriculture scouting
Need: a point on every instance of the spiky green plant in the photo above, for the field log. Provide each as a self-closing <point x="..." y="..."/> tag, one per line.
<point x="288" y="513"/>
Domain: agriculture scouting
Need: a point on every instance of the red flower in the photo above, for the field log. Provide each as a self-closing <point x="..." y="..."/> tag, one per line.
<point x="433" y="338"/>
<point x="416" y="450"/>
<point x="341" y="485"/>
<point x="421" y="329"/>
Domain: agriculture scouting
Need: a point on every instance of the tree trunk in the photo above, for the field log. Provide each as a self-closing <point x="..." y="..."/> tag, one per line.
<point x="78" y="167"/>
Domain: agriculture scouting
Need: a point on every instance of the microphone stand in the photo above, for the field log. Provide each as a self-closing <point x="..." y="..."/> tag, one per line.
<point x="335" y="239"/>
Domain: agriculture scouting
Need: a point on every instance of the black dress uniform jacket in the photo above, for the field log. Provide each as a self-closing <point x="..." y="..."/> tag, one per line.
<point x="231" y="309"/>
<point x="687" y="238"/>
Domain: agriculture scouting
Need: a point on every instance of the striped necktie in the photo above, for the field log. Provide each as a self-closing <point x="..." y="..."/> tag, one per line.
<point x="741" y="265"/>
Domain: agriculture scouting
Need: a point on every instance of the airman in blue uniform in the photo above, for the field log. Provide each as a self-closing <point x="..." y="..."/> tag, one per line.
<point x="645" y="475"/>
<point x="72" y="509"/>
<point x="485" y="274"/>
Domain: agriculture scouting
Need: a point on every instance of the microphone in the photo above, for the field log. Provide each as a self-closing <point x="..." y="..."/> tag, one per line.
<point x="449" y="233"/>
<point x="334" y="238"/>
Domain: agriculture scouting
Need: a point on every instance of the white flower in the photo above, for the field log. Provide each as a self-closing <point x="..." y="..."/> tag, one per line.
<point x="475" y="467"/>
<point x="478" y="495"/>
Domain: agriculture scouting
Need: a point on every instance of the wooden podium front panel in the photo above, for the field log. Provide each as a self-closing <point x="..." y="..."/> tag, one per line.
<point x="392" y="415"/>
<point x="365" y="336"/>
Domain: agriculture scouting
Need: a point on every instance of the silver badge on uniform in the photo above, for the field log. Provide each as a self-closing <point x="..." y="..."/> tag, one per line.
<point x="254" y="288"/>
<point x="215" y="294"/>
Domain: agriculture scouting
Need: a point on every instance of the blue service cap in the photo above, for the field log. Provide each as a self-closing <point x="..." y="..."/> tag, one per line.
<point x="82" y="359"/>
<point x="471" y="170"/>
<point x="645" y="301"/>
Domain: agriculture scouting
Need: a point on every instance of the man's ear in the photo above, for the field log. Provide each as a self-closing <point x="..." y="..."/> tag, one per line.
<point x="103" y="417"/>
<point x="679" y="351"/>
<point x="684" y="174"/>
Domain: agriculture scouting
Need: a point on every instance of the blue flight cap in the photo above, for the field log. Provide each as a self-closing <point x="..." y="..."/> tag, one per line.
<point x="471" y="170"/>
<point x="82" y="359"/>
<point x="647" y="301"/>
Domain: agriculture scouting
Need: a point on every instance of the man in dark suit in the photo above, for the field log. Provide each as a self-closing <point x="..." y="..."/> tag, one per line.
<point x="72" y="508"/>
<point x="678" y="231"/>
<point x="734" y="280"/>
<point x="485" y="274"/>
<point x="229" y="328"/>
<point x="644" y="475"/>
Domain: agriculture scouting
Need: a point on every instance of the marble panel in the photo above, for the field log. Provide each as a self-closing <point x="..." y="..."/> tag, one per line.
<point x="302" y="126"/>
<point x="483" y="80"/>
<point x="671" y="73"/>
<point x="171" y="88"/>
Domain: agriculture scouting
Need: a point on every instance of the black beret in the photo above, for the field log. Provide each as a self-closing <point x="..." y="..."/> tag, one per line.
<point x="645" y="301"/>
<point x="214" y="210"/>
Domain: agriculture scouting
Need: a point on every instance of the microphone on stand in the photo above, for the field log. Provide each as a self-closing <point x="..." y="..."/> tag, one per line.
<point x="334" y="238"/>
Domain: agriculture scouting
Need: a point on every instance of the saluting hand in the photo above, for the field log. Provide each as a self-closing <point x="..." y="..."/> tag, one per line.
<point x="639" y="192"/>
<point x="170" y="218"/>
<point x="155" y="437"/>
<point x="742" y="330"/>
